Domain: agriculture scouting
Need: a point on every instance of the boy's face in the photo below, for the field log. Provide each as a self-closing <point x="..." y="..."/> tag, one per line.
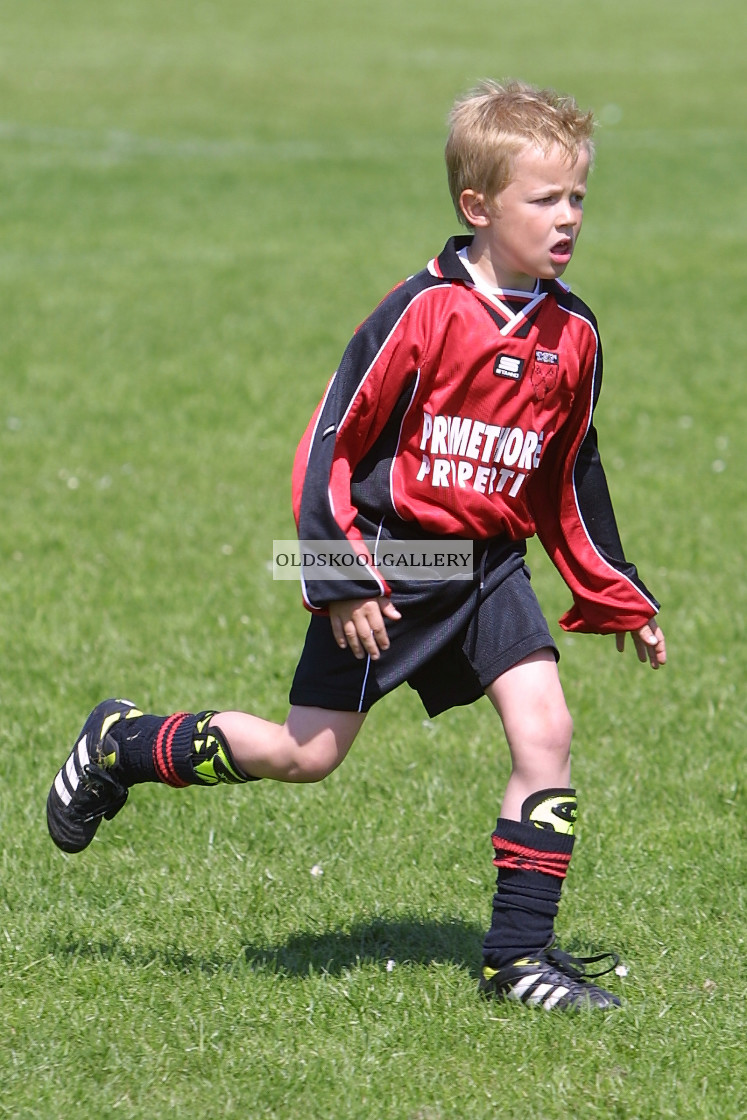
<point x="529" y="229"/>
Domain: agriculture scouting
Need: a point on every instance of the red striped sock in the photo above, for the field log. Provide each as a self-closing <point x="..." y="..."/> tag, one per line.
<point x="171" y="734"/>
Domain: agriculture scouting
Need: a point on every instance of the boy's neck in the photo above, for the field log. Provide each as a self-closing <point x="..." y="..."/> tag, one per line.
<point x="479" y="263"/>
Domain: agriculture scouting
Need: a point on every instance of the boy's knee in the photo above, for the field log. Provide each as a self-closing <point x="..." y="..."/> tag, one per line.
<point x="550" y="729"/>
<point x="563" y="728"/>
<point x="310" y="770"/>
<point x="314" y="762"/>
<point x="313" y="742"/>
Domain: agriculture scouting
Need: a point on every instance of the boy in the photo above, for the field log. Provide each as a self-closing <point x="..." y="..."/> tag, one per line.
<point x="463" y="407"/>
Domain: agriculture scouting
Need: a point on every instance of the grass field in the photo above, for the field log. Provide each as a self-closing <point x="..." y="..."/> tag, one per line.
<point x="198" y="203"/>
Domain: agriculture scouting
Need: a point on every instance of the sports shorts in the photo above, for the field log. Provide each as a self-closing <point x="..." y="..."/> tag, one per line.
<point x="454" y="638"/>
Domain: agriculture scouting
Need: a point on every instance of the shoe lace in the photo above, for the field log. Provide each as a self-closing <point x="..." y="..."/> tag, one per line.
<point x="99" y="791"/>
<point x="577" y="967"/>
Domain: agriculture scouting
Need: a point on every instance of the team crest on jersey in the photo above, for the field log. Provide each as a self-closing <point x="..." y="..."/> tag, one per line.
<point x="508" y="366"/>
<point x="544" y="373"/>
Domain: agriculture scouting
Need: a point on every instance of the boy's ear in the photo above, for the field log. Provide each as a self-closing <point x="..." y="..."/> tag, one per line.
<point x="474" y="208"/>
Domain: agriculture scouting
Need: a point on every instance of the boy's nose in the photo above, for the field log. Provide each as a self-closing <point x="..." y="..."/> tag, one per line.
<point x="566" y="216"/>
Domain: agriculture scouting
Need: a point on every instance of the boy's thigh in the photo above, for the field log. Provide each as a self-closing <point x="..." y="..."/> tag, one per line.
<point x="507" y="626"/>
<point x="448" y="651"/>
<point x="327" y="676"/>
<point x="307" y="724"/>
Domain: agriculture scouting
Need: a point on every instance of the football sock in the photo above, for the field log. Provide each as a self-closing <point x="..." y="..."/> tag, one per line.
<point x="135" y="738"/>
<point x="178" y="750"/>
<point x="532" y="857"/>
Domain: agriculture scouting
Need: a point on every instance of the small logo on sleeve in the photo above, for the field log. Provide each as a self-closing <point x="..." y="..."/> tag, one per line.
<point x="508" y="366"/>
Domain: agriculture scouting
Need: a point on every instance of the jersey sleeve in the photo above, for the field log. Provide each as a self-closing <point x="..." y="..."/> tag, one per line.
<point x="577" y="527"/>
<point x="380" y="361"/>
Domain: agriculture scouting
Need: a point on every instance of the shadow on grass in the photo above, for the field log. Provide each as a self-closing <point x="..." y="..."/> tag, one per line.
<point x="402" y="939"/>
<point x="405" y="940"/>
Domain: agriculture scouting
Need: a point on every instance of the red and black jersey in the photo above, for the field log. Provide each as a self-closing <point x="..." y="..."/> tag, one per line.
<point x="460" y="415"/>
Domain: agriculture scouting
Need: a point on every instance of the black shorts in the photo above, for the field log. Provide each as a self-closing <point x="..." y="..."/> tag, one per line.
<point x="453" y="640"/>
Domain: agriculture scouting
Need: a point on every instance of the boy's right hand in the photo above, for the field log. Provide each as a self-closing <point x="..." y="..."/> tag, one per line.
<point x="358" y="624"/>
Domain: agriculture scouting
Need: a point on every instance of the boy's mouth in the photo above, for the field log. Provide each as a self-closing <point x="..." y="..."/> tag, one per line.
<point x="562" y="251"/>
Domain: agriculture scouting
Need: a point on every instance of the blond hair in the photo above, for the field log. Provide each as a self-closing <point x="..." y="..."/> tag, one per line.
<point x="491" y="124"/>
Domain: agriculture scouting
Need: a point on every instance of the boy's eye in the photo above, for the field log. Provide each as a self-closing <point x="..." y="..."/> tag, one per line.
<point x="577" y="199"/>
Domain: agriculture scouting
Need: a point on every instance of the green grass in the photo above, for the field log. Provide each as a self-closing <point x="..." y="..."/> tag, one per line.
<point x="198" y="203"/>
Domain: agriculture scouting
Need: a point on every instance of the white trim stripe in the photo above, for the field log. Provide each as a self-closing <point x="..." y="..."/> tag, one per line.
<point x="521" y="986"/>
<point x="363" y="686"/>
<point x="425" y="292"/>
<point x="83" y="756"/>
<point x="368" y="659"/>
<point x="399" y="439"/>
<point x="538" y="994"/>
<point x="71" y="773"/>
<point x="520" y="317"/>
<point x="554" y="998"/>
<point x="327" y="391"/>
<point x="406" y="311"/>
<point x="62" y="791"/>
<point x="68" y="778"/>
<point x="590" y="419"/>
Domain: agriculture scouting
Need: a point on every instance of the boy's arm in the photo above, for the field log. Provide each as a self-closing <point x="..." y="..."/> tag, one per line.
<point x="374" y="381"/>
<point x="577" y="526"/>
<point x="596" y="506"/>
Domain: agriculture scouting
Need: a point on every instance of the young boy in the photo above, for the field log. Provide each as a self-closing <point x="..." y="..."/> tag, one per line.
<point x="462" y="408"/>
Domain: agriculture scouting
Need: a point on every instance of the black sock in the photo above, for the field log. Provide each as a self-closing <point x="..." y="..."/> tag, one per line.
<point x="178" y="750"/>
<point x="135" y="739"/>
<point x="532" y="861"/>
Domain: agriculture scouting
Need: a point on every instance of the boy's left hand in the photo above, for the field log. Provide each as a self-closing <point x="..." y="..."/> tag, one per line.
<point x="649" y="644"/>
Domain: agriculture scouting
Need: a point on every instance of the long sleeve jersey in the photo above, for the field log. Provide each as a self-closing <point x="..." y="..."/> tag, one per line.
<point x="456" y="414"/>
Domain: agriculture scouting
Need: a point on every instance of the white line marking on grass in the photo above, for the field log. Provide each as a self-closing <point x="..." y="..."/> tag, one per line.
<point x="121" y="144"/>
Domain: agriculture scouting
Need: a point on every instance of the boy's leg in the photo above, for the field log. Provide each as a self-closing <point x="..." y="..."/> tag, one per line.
<point x="538" y="726"/>
<point x="533" y="843"/>
<point x="306" y="748"/>
<point x="531" y="861"/>
<point x="120" y="746"/>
